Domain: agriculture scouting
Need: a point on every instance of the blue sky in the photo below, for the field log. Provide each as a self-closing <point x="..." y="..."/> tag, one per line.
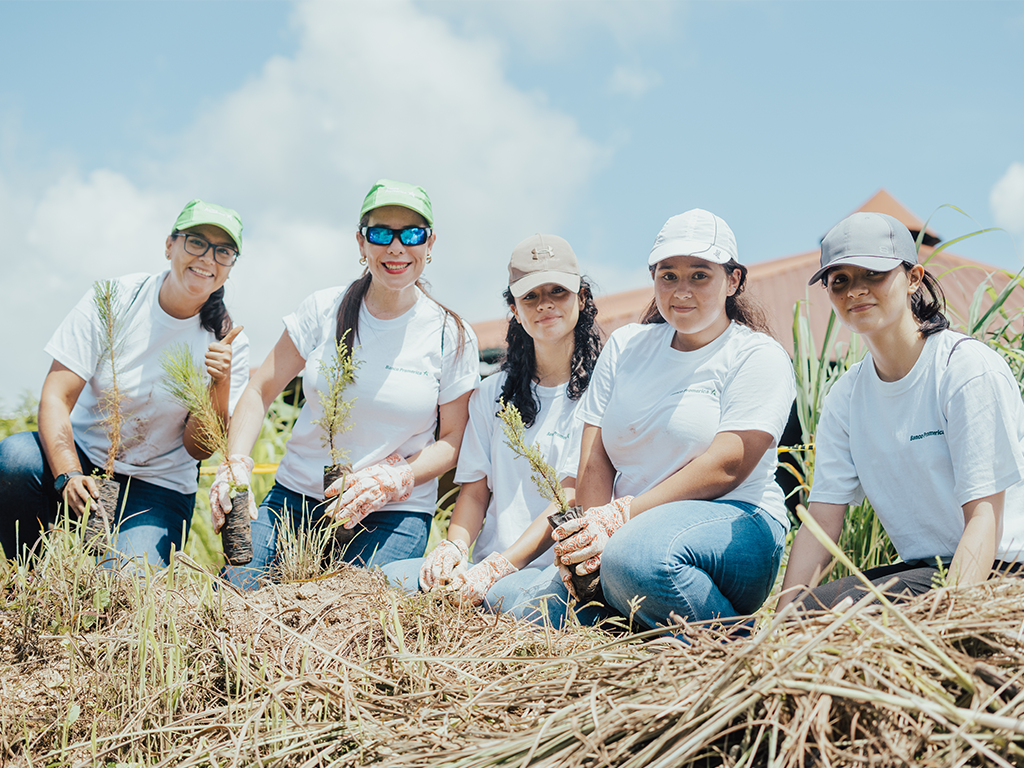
<point x="593" y="120"/>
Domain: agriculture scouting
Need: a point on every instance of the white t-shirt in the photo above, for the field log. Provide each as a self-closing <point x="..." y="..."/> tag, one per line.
<point x="155" y="424"/>
<point x="403" y="375"/>
<point x="949" y="432"/>
<point x="660" y="408"/>
<point x="515" y="501"/>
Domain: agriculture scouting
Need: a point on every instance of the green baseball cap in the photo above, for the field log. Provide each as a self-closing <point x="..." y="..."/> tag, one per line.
<point x="198" y="212"/>
<point x="388" y="192"/>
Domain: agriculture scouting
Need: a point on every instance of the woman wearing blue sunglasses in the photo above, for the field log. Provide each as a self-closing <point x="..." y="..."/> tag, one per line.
<point x="417" y="365"/>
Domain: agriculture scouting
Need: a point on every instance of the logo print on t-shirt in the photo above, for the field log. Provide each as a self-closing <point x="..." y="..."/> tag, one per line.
<point x="933" y="433"/>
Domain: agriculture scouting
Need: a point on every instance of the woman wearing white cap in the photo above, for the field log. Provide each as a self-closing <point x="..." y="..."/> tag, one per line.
<point x="677" y="467"/>
<point x="182" y="305"/>
<point x="553" y="344"/>
<point x="929" y="426"/>
<point x="417" y="365"/>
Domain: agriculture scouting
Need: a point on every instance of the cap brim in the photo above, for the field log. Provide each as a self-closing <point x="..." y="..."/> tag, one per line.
<point x="874" y="263"/>
<point x="206" y="221"/>
<point x="524" y="285"/>
<point x="696" y="248"/>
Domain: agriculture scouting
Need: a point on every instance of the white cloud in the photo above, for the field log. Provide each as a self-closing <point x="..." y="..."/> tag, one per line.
<point x="380" y="89"/>
<point x="1007" y="199"/>
<point x="632" y="81"/>
<point x="551" y="31"/>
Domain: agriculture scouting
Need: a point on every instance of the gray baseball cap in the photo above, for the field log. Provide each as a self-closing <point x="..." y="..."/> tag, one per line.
<point x="874" y="241"/>
<point x="543" y="259"/>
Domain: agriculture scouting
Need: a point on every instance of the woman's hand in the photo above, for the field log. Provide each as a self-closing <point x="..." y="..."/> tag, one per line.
<point x="370" y="489"/>
<point x="81" y="490"/>
<point x="236" y="471"/>
<point x="471" y="587"/>
<point x="447" y="560"/>
<point x="218" y="357"/>
<point x="583" y="539"/>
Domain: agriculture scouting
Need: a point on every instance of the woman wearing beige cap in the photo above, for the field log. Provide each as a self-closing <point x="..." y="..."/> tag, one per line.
<point x="417" y="365"/>
<point x="929" y="426"/>
<point x="677" y="467"/>
<point x="182" y="305"/>
<point x="553" y="344"/>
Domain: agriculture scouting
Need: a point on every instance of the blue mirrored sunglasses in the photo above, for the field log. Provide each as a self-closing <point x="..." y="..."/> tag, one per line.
<point x="384" y="235"/>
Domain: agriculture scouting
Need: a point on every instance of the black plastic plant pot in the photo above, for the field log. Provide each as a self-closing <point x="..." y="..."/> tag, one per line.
<point x="236" y="536"/>
<point x="102" y="513"/>
<point x="587" y="588"/>
<point x="342" y="535"/>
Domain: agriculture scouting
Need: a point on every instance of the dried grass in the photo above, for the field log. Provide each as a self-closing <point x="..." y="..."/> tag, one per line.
<point x="340" y="670"/>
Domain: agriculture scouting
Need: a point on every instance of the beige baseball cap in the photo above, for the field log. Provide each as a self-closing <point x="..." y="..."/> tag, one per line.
<point x="542" y="259"/>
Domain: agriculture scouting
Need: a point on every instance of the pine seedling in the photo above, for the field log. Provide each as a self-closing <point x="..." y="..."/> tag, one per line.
<point x="111" y="401"/>
<point x="543" y="475"/>
<point x="186" y="383"/>
<point x="338" y="374"/>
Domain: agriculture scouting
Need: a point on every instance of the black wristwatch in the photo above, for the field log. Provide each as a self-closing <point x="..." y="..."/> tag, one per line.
<point x="62" y="480"/>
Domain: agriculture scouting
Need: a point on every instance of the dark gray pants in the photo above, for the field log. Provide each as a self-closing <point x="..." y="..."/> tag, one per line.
<point x="912" y="579"/>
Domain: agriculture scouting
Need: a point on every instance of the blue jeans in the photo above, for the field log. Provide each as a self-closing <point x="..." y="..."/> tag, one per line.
<point x="149" y="522"/>
<point x="700" y="559"/>
<point x="536" y="594"/>
<point x="383" y="536"/>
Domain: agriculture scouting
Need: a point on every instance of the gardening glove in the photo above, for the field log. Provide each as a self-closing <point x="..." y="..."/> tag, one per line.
<point x="592" y="532"/>
<point x="369" y="489"/>
<point x="566" y="576"/>
<point x="446" y="561"/>
<point x="471" y="587"/>
<point x="237" y="469"/>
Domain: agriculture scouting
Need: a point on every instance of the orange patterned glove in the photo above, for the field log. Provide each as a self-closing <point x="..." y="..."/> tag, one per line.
<point x="371" y="488"/>
<point x="472" y="586"/>
<point x="445" y="561"/>
<point x="592" y="532"/>
<point x="238" y="470"/>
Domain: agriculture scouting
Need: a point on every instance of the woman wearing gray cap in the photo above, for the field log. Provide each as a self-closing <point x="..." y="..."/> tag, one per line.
<point x="553" y="344"/>
<point x="417" y="365"/>
<point x="682" y="419"/>
<point x="159" y="445"/>
<point x="929" y="426"/>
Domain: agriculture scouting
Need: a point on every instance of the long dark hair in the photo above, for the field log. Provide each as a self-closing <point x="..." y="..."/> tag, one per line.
<point x="213" y="315"/>
<point x="739" y="308"/>
<point x="520" y="361"/>
<point x="347" y="324"/>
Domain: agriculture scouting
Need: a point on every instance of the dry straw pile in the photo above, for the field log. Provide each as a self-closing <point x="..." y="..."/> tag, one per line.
<point x="101" y="669"/>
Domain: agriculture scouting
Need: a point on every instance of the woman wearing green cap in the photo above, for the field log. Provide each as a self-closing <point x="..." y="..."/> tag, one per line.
<point x="182" y="305"/>
<point x="417" y="365"/>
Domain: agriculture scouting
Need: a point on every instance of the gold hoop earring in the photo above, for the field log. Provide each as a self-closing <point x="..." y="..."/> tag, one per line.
<point x="428" y="258"/>
<point x="362" y="261"/>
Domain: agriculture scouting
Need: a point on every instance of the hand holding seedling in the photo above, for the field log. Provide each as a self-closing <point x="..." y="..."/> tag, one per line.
<point x="231" y="474"/>
<point x="79" y="491"/>
<point x="446" y="561"/>
<point x="369" y="489"/>
<point x="592" y="533"/>
<point x="218" y="357"/>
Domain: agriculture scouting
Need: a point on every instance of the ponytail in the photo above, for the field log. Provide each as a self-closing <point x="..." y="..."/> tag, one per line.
<point x="213" y="315"/>
<point x="928" y="310"/>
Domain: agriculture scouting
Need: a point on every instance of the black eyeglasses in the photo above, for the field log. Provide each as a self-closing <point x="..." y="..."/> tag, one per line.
<point x="384" y="235"/>
<point x="197" y="246"/>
